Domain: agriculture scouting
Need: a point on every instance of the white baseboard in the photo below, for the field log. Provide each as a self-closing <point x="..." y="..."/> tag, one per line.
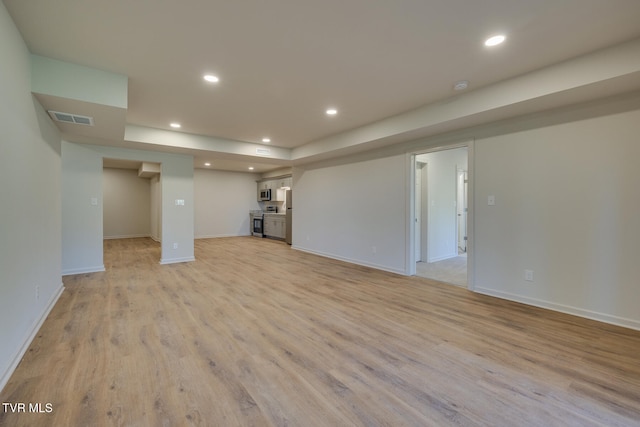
<point x="4" y="379"/>
<point x="177" y="260"/>
<point x="442" y="258"/>
<point x="83" y="270"/>
<point x="126" y="236"/>
<point x="215" y="236"/>
<point x="352" y="261"/>
<point x="576" y="311"/>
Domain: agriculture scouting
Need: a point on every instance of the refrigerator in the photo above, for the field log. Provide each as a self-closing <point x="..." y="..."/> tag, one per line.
<point x="289" y="214"/>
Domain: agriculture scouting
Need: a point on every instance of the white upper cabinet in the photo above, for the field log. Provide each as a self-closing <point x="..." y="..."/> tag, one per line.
<point x="276" y="186"/>
<point x="283" y="182"/>
<point x="265" y="185"/>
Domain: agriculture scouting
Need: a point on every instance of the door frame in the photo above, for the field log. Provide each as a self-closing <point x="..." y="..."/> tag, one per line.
<point x="410" y="187"/>
<point x="158" y="205"/>
<point x="422" y="211"/>
<point x="462" y="210"/>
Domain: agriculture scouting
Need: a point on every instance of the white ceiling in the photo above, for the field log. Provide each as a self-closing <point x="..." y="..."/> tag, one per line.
<point x="281" y="63"/>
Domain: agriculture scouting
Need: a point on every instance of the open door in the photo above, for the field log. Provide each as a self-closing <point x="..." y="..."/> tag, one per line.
<point x="418" y="217"/>
<point x="462" y="209"/>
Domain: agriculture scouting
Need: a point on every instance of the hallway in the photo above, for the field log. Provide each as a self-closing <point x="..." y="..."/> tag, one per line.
<point x="452" y="270"/>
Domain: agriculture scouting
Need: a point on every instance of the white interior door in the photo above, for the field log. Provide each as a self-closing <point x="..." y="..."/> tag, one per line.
<point x="418" y="209"/>
<point x="424" y="212"/>
<point x="462" y="209"/>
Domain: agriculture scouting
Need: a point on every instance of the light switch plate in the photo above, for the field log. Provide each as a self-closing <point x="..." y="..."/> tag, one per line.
<point x="491" y="200"/>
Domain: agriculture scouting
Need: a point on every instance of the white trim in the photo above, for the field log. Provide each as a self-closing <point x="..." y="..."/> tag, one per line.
<point x="469" y="144"/>
<point x="126" y="236"/>
<point x="215" y="236"/>
<point x="83" y="270"/>
<point x="4" y="379"/>
<point x="567" y="309"/>
<point x="410" y="196"/>
<point x="444" y="147"/>
<point x="176" y="260"/>
<point x="351" y="261"/>
<point x="471" y="214"/>
<point x="442" y="258"/>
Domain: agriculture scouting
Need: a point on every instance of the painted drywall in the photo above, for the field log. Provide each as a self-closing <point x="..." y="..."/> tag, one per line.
<point x="277" y="173"/>
<point x="30" y="212"/>
<point x="566" y="207"/>
<point x="146" y="135"/>
<point x="177" y="219"/>
<point x="82" y="221"/>
<point x="587" y="77"/>
<point x="566" y="202"/>
<point x="222" y="202"/>
<point x="66" y="80"/>
<point x="441" y="194"/>
<point x="127" y="204"/>
<point x="155" y="207"/>
<point x="82" y="209"/>
<point x="354" y="212"/>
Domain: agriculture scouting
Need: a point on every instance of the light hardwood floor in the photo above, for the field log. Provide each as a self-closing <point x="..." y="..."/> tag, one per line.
<point x="255" y="333"/>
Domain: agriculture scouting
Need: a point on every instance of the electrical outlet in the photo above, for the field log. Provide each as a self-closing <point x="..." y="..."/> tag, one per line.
<point x="175" y="246"/>
<point x="528" y="275"/>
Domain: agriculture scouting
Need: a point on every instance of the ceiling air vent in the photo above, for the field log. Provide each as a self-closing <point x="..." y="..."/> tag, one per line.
<point x="71" y="118"/>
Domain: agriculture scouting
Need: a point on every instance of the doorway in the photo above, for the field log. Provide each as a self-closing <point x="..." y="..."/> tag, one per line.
<point x="441" y="215"/>
<point x="131" y="192"/>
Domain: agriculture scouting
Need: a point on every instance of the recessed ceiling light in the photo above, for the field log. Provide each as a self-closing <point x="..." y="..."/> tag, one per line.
<point x="331" y="111"/>
<point x="175" y="125"/>
<point x="266" y="140"/>
<point x="494" y="40"/>
<point x="250" y="168"/>
<point x="461" y="85"/>
<point x="207" y="164"/>
<point x="211" y="78"/>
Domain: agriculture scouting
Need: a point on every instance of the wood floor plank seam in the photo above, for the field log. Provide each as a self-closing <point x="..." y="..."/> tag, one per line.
<point x="254" y="333"/>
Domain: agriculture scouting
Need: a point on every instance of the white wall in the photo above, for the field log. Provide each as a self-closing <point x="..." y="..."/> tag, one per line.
<point x="127" y="204"/>
<point x="567" y="204"/>
<point x="442" y="224"/>
<point x="222" y="202"/>
<point x="82" y="222"/>
<point x="30" y="212"/>
<point x="354" y="212"/>
<point x="155" y="207"/>
<point x="81" y="209"/>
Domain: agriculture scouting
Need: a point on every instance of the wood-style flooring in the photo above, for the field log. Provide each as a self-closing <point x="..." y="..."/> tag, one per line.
<point x="254" y="333"/>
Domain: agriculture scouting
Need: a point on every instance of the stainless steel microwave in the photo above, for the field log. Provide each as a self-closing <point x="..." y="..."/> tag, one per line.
<point x="265" y="195"/>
